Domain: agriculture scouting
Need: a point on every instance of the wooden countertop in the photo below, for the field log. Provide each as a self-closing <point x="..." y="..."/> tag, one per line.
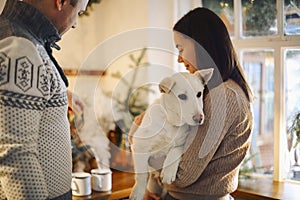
<point x="122" y="183"/>
<point x="263" y="189"/>
<point x="255" y="188"/>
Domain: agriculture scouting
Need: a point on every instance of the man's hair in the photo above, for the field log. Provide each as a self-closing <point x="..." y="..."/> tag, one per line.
<point x="74" y="2"/>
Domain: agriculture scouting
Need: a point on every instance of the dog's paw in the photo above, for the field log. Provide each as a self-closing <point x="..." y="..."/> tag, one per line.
<point x="137" y="193"/>
<point x="168" y="176"/>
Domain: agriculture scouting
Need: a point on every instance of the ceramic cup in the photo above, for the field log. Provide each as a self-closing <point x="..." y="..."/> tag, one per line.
<point x="101" y="180"/>
<point x="81" y="184"/>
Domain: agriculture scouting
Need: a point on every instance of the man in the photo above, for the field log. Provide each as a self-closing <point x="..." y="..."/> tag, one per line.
<point x="35" y="149"/>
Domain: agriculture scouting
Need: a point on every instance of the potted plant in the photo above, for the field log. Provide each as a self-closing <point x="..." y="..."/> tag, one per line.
<point x="294" y="145"/>
<point x="127" y="103"/>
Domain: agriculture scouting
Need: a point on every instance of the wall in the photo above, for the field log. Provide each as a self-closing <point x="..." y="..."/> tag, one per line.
<point x="106" y="19"/>
<point x="109" y="19"/>
<point x="102" y="41"/>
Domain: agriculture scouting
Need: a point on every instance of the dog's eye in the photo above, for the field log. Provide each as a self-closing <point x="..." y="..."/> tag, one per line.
<point x="199" y="94"/>
<point x="182" y="96"/>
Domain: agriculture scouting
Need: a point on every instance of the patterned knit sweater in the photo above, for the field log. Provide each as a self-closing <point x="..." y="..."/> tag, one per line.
<point x="215" y="150"/>
<point x="35" y="147"/>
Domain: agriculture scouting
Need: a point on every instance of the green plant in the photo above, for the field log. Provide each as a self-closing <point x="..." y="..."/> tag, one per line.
<point x="247" y="168"/>
<point x="135" y="101"/>
<point x="294" y="139"/>
<point x="294" y="130"/>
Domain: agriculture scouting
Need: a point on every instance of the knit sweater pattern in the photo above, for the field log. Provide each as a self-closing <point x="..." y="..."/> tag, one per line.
<point x="222" y="142"/>
<point x="35" y="147"/>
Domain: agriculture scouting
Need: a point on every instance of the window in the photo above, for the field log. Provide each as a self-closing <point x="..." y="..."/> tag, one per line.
<point x="259" y="18"/>
<point x="266" y="37"/>
<point x="259" y="68"/>
<point x="225" y="11"/>
<point x="292" y="18"/>
<point x="292" y="86"/>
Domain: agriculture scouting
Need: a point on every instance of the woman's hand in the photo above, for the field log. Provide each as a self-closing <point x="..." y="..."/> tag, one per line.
<point x="151" y="196"/>
<point x="136" y="123"/>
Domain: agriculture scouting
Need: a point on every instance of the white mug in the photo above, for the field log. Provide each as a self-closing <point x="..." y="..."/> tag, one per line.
<point x="81" y="184"/>
<point x="101" y="180"/>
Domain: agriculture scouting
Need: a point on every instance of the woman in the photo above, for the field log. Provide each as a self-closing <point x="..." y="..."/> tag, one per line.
<point x="210" y="165"/>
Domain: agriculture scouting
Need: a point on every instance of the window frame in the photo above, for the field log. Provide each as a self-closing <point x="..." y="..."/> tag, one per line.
<point x="279" y="43"/>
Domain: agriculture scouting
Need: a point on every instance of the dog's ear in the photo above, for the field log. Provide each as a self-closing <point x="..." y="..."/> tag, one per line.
<point x="166" y="85"/>
<point x="204" y="75"/>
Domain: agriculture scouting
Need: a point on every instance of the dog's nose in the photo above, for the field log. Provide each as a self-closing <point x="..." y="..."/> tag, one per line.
<point x="198" y="118"/>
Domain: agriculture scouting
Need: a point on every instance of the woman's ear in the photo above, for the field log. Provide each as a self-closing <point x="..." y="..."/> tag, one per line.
<point x="166" y="85"/>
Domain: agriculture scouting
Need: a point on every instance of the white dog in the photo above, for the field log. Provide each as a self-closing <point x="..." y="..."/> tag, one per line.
<point x="166" y="124"/>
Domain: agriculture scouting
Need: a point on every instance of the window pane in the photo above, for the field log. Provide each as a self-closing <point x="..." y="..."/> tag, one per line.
<point x="224" y="8"/>
<point x="292" y="90"/>
<point x="259" y="69"/>
<point x="259" y="18"/>
<point x="292" y="17"/>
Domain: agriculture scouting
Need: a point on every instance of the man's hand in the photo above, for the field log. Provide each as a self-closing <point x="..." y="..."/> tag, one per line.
<point x="75" y="103"/>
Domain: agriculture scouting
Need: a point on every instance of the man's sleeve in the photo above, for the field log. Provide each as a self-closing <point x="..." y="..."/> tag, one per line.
<point x="22" y="101"/>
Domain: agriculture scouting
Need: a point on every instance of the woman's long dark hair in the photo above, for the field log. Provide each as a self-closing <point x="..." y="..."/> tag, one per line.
<point x="213" y="47"/>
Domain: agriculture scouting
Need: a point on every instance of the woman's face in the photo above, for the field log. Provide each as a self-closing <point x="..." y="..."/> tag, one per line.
<point x="186" y="49"/>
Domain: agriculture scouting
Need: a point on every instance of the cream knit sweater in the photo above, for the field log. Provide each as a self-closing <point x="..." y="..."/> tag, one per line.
<point x="35" y="146"/>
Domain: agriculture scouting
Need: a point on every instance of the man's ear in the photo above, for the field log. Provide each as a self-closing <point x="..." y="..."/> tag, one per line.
<point x="166" y="85"/>
<point x="204" y="75"/>
<point x="59" y="4"/>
